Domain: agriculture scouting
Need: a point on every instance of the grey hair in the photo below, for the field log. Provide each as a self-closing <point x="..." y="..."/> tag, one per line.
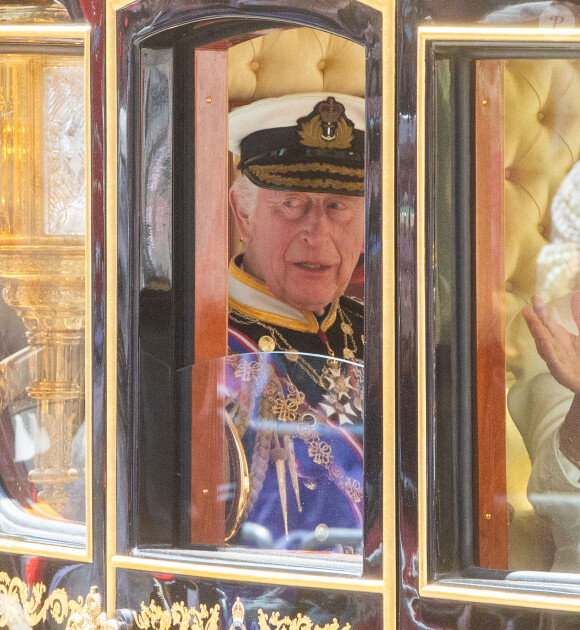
<point x="247" y="193"/>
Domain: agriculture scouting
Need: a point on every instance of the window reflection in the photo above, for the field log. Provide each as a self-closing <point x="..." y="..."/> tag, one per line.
<point x="43" y="277"/>
<point x="292" y="431"/>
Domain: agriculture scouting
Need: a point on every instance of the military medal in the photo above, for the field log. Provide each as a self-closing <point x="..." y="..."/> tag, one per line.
<point x="267" y="344"/>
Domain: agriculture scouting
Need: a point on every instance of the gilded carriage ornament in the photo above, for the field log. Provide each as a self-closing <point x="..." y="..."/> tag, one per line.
<point x="300" y="622"/>
<point x="21" y="604"/>
<point x="238" y="616"/>
<point x="157" y="618"/>
<point x="92" y="617"/>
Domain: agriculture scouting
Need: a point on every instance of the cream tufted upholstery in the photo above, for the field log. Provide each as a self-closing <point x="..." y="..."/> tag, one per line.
<point x="542" y="142"/>
<point x="293" y="61"/>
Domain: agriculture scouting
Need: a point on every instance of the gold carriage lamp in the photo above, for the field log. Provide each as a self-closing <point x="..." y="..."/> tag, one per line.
<point x="43" y="254"/>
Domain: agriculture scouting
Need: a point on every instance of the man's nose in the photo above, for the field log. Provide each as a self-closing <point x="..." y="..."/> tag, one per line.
<point x="316" y="224"/>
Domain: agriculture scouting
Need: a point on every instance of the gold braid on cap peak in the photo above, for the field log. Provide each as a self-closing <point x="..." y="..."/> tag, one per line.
<point x="311" y="166"/>
<point x="283" y="181"/>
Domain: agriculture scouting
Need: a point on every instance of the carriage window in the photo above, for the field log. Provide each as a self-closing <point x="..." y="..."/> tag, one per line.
<point x="251" y="324"/>
<point x="43" y="258"/>
<point x="505" y="174"/>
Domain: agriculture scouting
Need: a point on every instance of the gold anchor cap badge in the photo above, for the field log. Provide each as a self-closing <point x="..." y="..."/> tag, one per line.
<point x="327" y="127"/>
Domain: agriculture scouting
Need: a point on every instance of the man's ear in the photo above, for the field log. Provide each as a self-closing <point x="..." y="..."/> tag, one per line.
<point x="241" y="216"/>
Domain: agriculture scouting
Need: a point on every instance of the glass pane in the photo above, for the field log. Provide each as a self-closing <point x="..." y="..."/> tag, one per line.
<point x="506" y="350"/>
<point x="282" y="466"/>
<point x="287" y="405"/>
<point x="42" y="272"/>
<point x="504" y="229"/>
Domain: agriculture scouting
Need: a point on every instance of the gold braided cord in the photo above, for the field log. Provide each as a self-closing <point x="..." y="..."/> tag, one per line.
<point x="300" y="622"/>
<point x="16" y="606"/>
<point x="314" y="166"/>
<point x="281" y="343"/>
<point x="157" y="618"/>
<point x="282" y="181"/>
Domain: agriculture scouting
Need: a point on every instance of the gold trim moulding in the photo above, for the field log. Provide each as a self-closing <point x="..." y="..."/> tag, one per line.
<point x="509" y="35"/>
<point x="389" y="281"/>
<point x="78" y="554"/>
<point x="253" y="576"/>
<point x="111" y="296"/>
<point x="67" y="33"/>
<point x="490" y="596"/>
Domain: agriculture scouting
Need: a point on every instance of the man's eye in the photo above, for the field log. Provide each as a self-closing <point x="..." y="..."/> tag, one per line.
<point x="293" y="208"/>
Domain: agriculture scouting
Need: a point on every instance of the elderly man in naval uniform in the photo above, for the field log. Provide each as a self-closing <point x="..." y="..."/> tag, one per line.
<point x="296" y="341"/>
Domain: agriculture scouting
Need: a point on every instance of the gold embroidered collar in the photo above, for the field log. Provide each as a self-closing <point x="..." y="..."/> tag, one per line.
<point x="249" y="296"/>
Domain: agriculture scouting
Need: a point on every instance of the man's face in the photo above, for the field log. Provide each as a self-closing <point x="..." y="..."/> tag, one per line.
<point x="304" y="246"/>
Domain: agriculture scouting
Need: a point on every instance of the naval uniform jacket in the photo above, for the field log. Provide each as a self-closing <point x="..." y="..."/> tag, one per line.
<point x="292" y="403"/>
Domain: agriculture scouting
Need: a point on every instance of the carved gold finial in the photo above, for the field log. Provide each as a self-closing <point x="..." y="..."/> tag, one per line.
<point x="91" y="616"/>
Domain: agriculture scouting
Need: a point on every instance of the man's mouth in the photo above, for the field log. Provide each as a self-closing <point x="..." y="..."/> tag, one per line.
<point x="312" y="266"/>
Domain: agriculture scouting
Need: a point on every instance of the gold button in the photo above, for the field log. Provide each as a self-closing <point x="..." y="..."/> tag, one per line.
<point x="267" y="344"/>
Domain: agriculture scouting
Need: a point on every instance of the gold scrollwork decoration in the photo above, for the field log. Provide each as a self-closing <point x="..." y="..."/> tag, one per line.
<point x="20" y="603"/>
<point x="153" y="617"/>
<point x="300" y="622"/>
